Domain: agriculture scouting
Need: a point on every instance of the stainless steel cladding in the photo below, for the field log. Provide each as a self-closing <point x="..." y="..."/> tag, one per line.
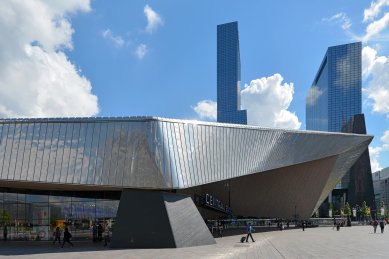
<point x="157" y="153"/>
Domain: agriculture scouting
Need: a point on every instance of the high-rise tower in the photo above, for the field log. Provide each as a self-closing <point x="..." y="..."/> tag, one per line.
<point x="228" y="75"/>
<point x="334" y="103"/>
<point x="335" y="94"/>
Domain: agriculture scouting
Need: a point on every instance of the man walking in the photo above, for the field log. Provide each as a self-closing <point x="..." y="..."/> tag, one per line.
<point x="66" y="237"/>
<point x="57" y="236"/>
<point x="249" y="231"/>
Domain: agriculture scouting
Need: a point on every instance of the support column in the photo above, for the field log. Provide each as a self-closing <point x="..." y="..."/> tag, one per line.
<point x="156" y="219"/>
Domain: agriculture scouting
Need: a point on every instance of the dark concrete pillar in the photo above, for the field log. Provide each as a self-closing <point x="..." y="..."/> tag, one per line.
<point x="156" y="219"/>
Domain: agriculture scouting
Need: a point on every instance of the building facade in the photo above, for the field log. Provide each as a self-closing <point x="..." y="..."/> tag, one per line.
<point x="381" y="187"/>
<point x="228" y="75"/>
<point x="334" y="104"/>
<point x="77" y="171"/>
<point x="336" y="92"/>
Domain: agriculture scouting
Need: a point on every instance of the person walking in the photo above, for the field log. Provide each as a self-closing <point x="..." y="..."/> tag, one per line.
<point x="5" y="232"/>
<point x="249" y="231"/>
<point x="66" y="237"/>
<point x="382" y="225"/>
<point x="99" y="232"/>
<point x="106" y="235"/>
<point x="57" y="236"/>
<point x="94" y="232"/>
<point x="375" y="224"/>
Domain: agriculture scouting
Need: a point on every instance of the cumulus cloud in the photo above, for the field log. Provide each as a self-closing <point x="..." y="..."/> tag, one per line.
<point x="117" y="40"/>
<point x="154" y="20"/>
<point x="339" y="18"/>
<point x="141" y="51"/>
<point x="374" y="10"/>
<point x="376" y="71"/>
<point x="374" y="153"/>
<point x="37" y="79"/>
<point x="267" y="100"/>
<point x="375" y="27"/>
<point x="206" y="109"/>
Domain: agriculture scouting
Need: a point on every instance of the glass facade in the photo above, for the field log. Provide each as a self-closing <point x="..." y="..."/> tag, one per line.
<point x="35" y="215"/>
<point x="228" y="75"/>
<point x="336" y="93"/>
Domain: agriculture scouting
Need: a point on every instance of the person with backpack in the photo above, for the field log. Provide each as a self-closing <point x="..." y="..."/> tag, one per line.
<point x="375" y="224"/>
<point x="382" y="225"/>
<point x="57" y="236"/>
<point x="249" y="231"/>
<point x="66" y="237"/>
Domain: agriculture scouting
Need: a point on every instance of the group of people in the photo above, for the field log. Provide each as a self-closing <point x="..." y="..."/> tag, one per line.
<point x="98" y="231"/>
<point x="66" y="237"/>
<point x="382" y="224"/>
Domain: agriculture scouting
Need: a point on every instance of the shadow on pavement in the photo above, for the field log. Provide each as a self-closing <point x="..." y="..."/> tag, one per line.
<point x="8" y="248"/>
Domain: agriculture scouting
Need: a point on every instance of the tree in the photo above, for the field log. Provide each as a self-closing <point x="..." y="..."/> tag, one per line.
<point x="347" y="209"/>
<point x="5" y="217"/>
<point x="364" y="209"/>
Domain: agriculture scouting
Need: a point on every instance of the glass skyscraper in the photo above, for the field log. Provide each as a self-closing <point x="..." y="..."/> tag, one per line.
<point x="228" y="75"/>
<point x="336" y="92"/>
<point x="334" y="99"/>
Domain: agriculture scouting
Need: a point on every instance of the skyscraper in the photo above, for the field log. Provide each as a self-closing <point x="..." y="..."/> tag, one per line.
<point x="228" y="75"/>
<point x="336" y="92"/>
<point x="334" y="103"/>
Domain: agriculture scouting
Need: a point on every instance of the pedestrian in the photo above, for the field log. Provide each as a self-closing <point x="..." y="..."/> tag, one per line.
<point x="334" y="223"/>
<point x="382" y="225"/>
<point x="375" y="224"/>
<point x="106" y="235"/>
<point x="5" y="232"/>
<point x="249" y="231"/>
<point x="94" y="232"/>
<point x="57" y="236"/>
<point x="66" y="237"/>
<point x="100" y="232"/>
<point x="304" y="225"/>
<point x="220" y="228"/>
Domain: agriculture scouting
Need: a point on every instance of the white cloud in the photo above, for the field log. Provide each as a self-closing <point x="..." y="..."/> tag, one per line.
<point x="206" y="109"/>
<point x="141" y="51"/>
<point x="376" y="69"/>
<point x="339" y="18"/>
<point x="267" y="100"/>
<point x="117" y="40"/>
<point x="37" y="79"/>
<point x="374" y="10"/>
<point x="385" y="137"/>
<point x="154" y="20"/>
<point x="313" y="95"/>
<point x="375" y="27"/>
<point x="374" y="153"/>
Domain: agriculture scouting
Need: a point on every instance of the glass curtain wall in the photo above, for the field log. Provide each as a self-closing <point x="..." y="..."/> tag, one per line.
<point x="35" y="217"/>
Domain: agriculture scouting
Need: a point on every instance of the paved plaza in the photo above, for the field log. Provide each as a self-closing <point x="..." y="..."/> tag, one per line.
<point x="323" y="242"/>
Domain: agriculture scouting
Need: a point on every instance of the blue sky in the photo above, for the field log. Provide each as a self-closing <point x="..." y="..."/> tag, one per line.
<point x="95" y="43"/>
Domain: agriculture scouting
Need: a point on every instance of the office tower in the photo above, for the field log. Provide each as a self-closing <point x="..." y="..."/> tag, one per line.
<point x="228" y="75"/>
<point x="334" y="104"/>
<point x="335" y="94"/>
